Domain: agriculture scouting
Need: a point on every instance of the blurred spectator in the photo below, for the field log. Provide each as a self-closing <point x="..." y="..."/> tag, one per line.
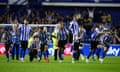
<point x="1" y="33"/>
<point x="98" y="16"/>
<point x="117" y="35"/>
<point x="1" y="19"/>
<point x="91" y="14"/>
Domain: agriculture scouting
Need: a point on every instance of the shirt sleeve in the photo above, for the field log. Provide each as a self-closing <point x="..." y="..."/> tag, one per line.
<point x="30" y="28"/>
<point x="19" y="29"/>
<point x="70" y="27"/>
<point x="57" y="33"/>
<point x="3" y="35"/>
<point x="31" y="45"/>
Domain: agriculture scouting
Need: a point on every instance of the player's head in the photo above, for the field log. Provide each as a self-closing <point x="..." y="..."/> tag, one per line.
<point x="100" y="26"/>
<point x="111" y="32"/>
<point x="6" y="29"/>
<point x="80" y="28"/>
<point x="61" y="25"/>
<point x="41" y="29"/>
<point x="25" y="21"/>
<point x="45" y="29"/>
<point x="15" y="26"/>
<point x="57" y="26"/>
<point x="75" y="17"/>
<point x="36" y="38"/>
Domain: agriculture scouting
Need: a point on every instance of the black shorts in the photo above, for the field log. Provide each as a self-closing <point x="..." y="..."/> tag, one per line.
<point x="94" y="45"/>
<point x="62" y="43"/>
<point x="33" y="53"/>
<point x="77" y="45"/>
<point x="106" y="45"/>
<point x="24" y="44"/>
<point x="70" y="37"/>
<point x="7" y="46"/>
<point x="43" y="46"/>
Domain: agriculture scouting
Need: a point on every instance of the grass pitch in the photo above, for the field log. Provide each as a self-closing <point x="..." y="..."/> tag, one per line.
<point x="111" y="64"/>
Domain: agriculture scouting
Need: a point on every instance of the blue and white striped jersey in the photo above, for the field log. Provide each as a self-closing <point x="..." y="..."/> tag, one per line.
<point x="24" y="31"/>
<point x="73" y="26"/>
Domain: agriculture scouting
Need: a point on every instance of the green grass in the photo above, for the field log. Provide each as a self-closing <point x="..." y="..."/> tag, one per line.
<point x="111" y="64"/>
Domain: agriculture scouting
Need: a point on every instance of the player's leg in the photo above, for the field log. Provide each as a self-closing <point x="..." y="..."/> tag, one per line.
<point x="74" y="56"/>
<point x="34" y="54"/>
<point x="55" y="54"/>
<point x="41" y="51"/>
<point x="99" y="46"/>
<point x="92" y="45"/>
<point x="7" y="51"/>
<point x="78" y="55"/>
<point x="101" y="59"/>
<point x="60" y="54"/>
<point x="81" y="51"/>
<point x="46" y="53"/>
<point x="24" y="48"/>
<point x="77" y="52"/>
<point x="60" y="50"/>
<point x="17" y="51"/>
<point x="38" y="55"/>
<point x="22" y="51"/>
<point x="106" y="47"/>
<point x="31" y="55"/>
<point x="13" y="51"/>
<point x="94" y="54"/>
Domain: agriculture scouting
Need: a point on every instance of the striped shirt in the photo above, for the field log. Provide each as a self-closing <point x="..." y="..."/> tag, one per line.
<point x="15" y="37"/>
<point x="99" y="31"/>
<point x="24" y="31"/>
<point x="93" y="35"/>
<point x="108" y="39"/>
<point x="99" y="35"/>
<point x="7" y="38"/>
<point x="35" y="45"/>
<point x="73" y="26"/>
<point x="78" y="34"/>
<point x="62" y="34"/>
<point x="43" y="38"/>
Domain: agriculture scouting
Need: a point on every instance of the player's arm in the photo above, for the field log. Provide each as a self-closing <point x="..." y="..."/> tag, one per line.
<point x="67" y="36"/>
<point x="118" y="38"/>
<point x="53" y="35"/>
<point x="81" y="36"/>
<point x="38" y="48"/>
<point x="32" y="47"/>
<point x="39" y="45"/>
<point x="57" y="35"/>
<point x="31" y="31"/>
<point x="3" y="38"/>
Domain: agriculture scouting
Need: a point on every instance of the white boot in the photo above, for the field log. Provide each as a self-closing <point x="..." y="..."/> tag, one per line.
<point x="101" y="60"/>
<point x="22" y="59"/>
<point x="82" y="57"/>
<point x="87" y="60"/>
<point x="73" y="61"/>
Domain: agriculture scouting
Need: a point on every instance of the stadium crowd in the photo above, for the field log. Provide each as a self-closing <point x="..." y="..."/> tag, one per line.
<point x="84" y="27"/>
<point x="89" y="18"/>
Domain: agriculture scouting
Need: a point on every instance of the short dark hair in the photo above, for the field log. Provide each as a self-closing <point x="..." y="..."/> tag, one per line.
<point x="41" y="28"/>
<point x="36" y="36"/>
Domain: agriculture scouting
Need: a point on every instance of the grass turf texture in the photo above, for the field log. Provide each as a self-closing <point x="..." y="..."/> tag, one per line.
<point x="111" y="64"/>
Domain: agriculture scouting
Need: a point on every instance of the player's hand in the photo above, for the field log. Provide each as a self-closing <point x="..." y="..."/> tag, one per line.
<point x="38" y="50"/>
<point x="72" y="43"/>
<point x="56" y="44"/>
<point x="12" y="45"/>
<point x="77" y="38"/>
